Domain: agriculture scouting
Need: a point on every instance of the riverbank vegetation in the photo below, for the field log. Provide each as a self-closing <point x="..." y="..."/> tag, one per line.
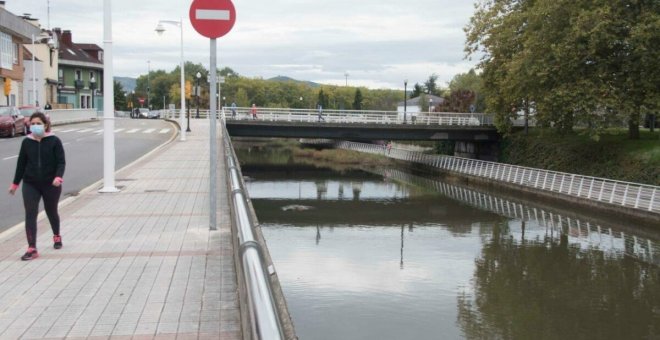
<point x="613" y="156"/>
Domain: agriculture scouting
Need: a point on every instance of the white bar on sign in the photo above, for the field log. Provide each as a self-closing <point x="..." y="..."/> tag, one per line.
<point x="212" y="14"/>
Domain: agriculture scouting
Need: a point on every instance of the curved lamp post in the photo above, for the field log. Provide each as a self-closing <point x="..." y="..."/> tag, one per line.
<point x="198" y="76"/>
<point x="160" y="29"/>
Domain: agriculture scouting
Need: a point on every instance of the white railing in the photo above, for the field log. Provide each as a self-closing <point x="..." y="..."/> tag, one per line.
<point x="352" y="116"/>
<point x="589" y="234"/>
<point x="626" y="194"/>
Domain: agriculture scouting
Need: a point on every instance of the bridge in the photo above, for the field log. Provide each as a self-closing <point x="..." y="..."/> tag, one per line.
<point x="358" y="124"/>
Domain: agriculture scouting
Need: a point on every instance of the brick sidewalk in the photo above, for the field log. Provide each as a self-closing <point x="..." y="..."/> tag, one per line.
<point x="138" y="264"/>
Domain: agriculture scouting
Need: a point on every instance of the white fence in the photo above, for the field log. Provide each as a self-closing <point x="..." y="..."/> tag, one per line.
<point x="583" y="233"/>
<point x="626" y="194"/>
<point x="350" y="116"/>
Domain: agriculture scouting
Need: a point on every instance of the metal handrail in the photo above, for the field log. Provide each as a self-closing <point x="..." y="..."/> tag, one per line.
<point x="628" y="194"/>
<point x="264" y="317"/>
<point x="356" y="116"/>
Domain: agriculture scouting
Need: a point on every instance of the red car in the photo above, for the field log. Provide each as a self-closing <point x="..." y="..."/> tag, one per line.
<point x="11" y="121"/>
<point x="27" y="111"/>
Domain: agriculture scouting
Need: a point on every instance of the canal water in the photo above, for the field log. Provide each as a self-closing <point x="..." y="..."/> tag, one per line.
<point x="386" y="254"/>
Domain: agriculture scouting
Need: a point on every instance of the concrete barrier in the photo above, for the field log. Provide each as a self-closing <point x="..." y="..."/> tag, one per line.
<point x="59" y="117"/>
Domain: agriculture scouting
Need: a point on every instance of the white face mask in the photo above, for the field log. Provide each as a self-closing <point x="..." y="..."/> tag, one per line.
<point x="38" y="130"/>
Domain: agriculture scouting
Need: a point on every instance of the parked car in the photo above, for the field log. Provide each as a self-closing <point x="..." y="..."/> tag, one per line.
<point x="27" y="111"/>
<point x="143" y="113"/>
<point x="11" y="121"/>
<point x="154" y="114"/>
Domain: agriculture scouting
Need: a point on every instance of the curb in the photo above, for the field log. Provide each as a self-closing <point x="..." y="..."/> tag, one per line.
<point x="63" y="203"/>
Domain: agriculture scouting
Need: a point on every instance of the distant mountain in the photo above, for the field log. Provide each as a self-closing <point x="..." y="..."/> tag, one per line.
<point x="288" y="79"/>
<point x="127" y="83"/>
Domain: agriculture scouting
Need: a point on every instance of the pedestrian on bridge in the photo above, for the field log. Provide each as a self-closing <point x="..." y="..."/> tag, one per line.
<point x="253" y="110"/>
<point x="321" y="119"/>
<point x="233" y="109"/>
<point x="40" y="166"/>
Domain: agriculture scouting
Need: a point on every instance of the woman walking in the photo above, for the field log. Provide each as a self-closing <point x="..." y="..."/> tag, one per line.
<point x="40" y="166"/>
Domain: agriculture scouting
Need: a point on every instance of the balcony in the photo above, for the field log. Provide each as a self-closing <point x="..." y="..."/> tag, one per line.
<point x="78" y="84"/>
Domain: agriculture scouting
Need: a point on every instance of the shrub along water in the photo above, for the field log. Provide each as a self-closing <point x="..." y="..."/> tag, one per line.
<point x="614" y="156"/>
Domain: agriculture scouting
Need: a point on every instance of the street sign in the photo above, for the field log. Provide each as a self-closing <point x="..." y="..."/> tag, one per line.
<point x="141" y="100"/>
<point x="212" y="18"/>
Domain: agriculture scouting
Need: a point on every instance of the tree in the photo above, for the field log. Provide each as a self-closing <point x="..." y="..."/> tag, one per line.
<point x="323" y="99"/>
<point x="471" y="82"/>
<point x="120" y="96"/>
<point x="578" y="62"/>
<point x="417" y="90"/>
<point x="430" y="86"/>
<point x="357" y="102"/>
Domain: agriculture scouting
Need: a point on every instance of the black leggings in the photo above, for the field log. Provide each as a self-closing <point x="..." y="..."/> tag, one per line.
<point x="32" y="194"/>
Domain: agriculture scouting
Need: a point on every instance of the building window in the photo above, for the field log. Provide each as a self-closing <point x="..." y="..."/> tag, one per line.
<point x="100" y="55"/>
<point x="15" y="53"/>
<point x="60" y="76"/>
<point x="78" y="75"/>
<point x="6" y="51"/>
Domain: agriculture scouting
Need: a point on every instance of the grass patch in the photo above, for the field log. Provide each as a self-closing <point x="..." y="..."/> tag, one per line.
<point x="612" y="156"/>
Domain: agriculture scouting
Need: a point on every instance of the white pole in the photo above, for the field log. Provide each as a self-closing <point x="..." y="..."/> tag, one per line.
<point x="34" y="91"/>
<point x="213" y="196"/>
<point x="182" y="116"/>
<point x="108" y="104"/>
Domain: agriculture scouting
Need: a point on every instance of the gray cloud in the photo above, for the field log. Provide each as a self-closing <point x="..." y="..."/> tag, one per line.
<point x="377" y="42"/>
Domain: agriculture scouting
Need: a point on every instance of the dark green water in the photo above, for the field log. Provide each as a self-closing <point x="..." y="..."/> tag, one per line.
<point x="389" y="255"/>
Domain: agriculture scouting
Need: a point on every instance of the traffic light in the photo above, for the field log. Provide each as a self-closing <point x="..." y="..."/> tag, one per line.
<point x="7" y="86"/>
<point x="188" y="89"/>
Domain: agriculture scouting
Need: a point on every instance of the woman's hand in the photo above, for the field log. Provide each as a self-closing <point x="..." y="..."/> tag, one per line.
<point x="57" y="181"/>
<point x="12" y="189"/>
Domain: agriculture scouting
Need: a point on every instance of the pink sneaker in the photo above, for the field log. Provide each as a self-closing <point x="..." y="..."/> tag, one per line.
<point x="30" y="254"/>
<point x="57" y="241"/>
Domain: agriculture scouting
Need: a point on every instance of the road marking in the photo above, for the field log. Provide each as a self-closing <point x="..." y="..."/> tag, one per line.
<point x="67" y="143"/>
<point x="68" y="130"/>
<point x="212" y="14"/>
<point x="98" y="131"/>
<point x="132" y="130"/>
<point x="85" y="130"/>
<point x="164" y="131"/>
<point x="118" y="130"/>
<point x="148" y="130"/>
<point x="4" y="159"/>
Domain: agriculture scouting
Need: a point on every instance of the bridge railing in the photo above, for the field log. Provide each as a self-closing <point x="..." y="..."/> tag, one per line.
<point x="586" y="234"/>
<point x="264" y="317"/>
<point x="354" y="116"/>
<point x="627" y="194"/>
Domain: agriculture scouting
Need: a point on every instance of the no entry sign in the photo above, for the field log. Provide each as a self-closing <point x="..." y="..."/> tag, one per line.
<point x="212" y="18"/>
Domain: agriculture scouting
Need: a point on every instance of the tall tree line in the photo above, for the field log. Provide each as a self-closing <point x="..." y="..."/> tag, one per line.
<point x="591" y="63"/>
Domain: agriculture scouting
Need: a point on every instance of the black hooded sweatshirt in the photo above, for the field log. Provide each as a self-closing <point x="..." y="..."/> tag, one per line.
<point x="40" y="161"/>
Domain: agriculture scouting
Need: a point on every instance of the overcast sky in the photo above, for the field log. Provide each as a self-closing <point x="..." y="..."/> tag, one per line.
<point x="379" y="43"/>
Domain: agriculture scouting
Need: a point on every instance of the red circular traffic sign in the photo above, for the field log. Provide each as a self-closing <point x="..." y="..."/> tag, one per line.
<point x="212" y="18"/>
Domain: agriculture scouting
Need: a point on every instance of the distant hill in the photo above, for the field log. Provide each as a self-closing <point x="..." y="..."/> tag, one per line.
<point x="288" y="79"/>
<point x="127" y="83"/>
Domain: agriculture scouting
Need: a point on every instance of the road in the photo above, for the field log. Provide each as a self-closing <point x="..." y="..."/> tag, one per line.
<point x="83" y="145"/>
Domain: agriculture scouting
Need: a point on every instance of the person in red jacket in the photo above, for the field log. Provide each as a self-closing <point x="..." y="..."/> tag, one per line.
<point x="40" y="166"/>
<point x="253" y="110"/>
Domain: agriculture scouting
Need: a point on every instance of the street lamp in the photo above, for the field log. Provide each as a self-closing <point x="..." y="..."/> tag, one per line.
<point x="197" y="92"/>
<point x="42" y="35"/>
<point x="92" y="86"/>
<point x="160" y="29"/>
<point x="405" y="99"/>
<point x="430" y="104"/>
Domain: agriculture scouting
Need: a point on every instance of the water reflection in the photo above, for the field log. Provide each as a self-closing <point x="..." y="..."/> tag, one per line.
<point x="398" y="256"/>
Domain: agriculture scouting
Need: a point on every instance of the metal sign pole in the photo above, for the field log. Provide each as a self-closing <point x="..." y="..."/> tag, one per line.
<point x="214" y="142"/>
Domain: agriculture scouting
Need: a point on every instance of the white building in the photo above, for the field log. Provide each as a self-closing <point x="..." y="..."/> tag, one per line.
<point x="413" y="106"/>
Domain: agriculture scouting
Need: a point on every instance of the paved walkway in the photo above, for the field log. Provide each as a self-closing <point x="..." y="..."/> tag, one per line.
<point x="138" y="264"/>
